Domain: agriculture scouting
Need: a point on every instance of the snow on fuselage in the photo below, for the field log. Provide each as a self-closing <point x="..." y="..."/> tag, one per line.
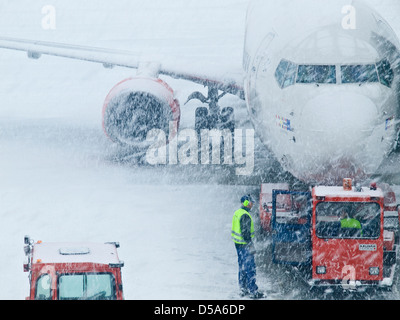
<point x="321" y="86"/>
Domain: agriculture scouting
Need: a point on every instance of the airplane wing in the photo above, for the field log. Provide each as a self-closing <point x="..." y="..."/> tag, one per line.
<point x="207" y="74"/>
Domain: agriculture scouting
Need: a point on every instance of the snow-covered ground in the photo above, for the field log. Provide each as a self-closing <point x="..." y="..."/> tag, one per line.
<point x="58" y="179"/>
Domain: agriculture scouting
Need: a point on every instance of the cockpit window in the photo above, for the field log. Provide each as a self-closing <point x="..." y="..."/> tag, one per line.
<point x="316" y="74"/>
<point x="359" y="73"/>
<point x="385" y="72"/>
<point x="289" y="73"/>
<point x="290" y="77"/>
<point x="286" y="73"/>
<point x="281" y="72"/>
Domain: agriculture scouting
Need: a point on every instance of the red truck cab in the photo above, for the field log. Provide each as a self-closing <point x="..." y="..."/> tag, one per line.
<point x="350" y="246"/>
<point x="73" y="271"/>
<point x="344" y="236"/>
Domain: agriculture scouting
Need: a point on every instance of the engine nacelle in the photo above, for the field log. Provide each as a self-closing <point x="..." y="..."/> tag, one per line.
<point x="137" y="105"/>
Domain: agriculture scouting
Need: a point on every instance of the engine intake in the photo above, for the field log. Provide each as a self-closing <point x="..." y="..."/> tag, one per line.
<point x="137" y="105"/>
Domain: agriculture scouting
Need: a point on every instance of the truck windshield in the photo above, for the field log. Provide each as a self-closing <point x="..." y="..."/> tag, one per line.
<point x="86" y="286"/>
<point x="348" y="220"/>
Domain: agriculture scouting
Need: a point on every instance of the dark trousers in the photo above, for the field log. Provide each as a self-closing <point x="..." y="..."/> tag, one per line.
<point x="247" y="269"/>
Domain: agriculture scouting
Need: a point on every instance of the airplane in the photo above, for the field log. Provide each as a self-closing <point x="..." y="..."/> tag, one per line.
<point x="321" y="81"/>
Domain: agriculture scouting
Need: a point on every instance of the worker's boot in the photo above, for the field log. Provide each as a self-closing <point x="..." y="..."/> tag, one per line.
<point x="257" y="295"/>
<point x="244" y="292"/>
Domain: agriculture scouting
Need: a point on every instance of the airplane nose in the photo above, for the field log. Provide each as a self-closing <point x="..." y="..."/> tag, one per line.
<point x="337" y="137"/>
<point x="339" y="119"/>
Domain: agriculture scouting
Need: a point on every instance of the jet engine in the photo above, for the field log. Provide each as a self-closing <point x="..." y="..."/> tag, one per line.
<point x="137" y="105"/>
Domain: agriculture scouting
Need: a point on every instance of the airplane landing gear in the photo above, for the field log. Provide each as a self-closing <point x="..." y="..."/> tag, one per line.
<point x="212" y="117"/>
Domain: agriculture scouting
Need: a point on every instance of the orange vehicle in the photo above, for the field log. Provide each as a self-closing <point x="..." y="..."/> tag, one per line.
<point x="335" y="236"/>
<point x="73" y="271"/>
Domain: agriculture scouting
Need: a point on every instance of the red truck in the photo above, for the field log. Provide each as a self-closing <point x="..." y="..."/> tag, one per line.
<point x="73" y="271"/>
<point x="345" y="236"/>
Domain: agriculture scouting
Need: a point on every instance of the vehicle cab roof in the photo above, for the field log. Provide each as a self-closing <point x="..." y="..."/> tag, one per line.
<point x="337" y="192"/>
<point x="81" y="252"/>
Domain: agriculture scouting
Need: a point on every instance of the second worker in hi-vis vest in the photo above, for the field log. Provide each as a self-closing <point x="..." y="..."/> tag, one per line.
<point x="242" y="235"/>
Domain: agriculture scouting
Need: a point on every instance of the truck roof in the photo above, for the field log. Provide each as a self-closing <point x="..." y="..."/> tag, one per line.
<point x="81" y="252"/>
<point x="324" y="191"/>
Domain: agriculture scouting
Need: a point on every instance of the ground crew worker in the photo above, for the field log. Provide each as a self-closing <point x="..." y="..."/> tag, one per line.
<point x="242" y="235"/>
<point x="348" y="222"/>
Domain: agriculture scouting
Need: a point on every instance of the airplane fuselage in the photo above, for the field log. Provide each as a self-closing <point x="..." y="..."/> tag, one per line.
<point x="322" y="86"/>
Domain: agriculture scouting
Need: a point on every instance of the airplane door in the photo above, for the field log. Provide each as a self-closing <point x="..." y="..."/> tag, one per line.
<point x="261" y="60"/>
<point x="257" y="66"/>
<point x="291" y="227"/>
